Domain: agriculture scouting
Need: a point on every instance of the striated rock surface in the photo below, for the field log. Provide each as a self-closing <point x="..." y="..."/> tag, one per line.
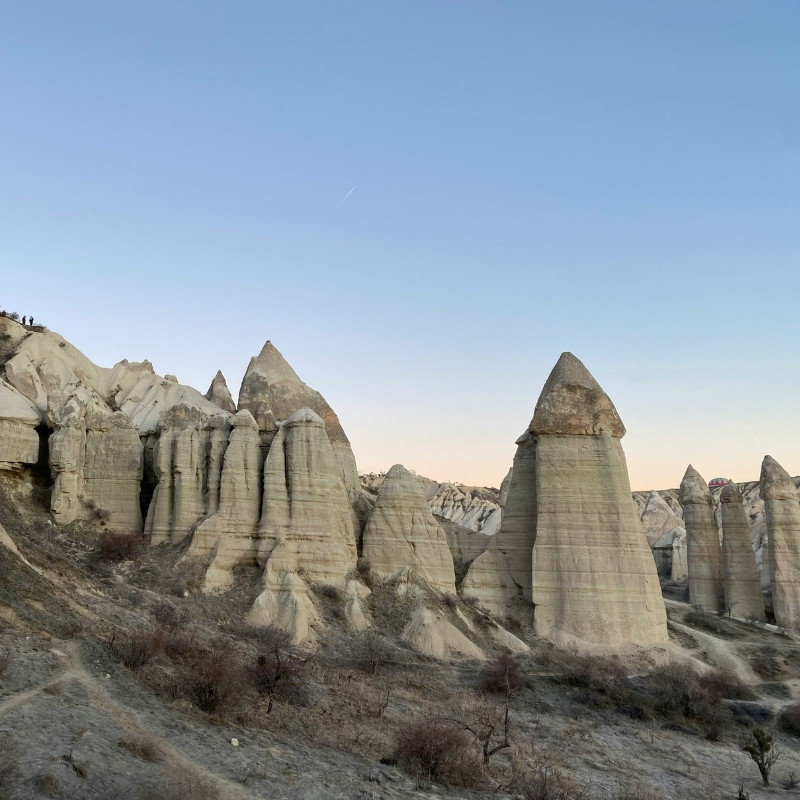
<point x="571" y="543"/>
<point x="573" y="403"/>
<point x="594" y="578"/>
<point x="306" y="525"/>
<point x="658" y="518"/>
<point x="112" y="470"/>
<point x="67" y="461"/>
<point x="219" y="394"/>
<point x="703" y="553"/>
<point x="402" y="532"/>
<point x="782" y="506"/>
<point x="500" y="578"/>
<point x="306" y="520"/>
<point x="19" y="442"/>
<point x="432" y="635"/>
<point x="228" y="536"/>
<point x="741" y="584"/>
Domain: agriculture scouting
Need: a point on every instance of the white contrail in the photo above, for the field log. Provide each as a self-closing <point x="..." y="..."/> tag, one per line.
<point x="348" y="195"/>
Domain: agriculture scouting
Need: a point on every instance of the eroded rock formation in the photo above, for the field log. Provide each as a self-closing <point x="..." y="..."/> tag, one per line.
<point x="571" y="541"/>
<point x="703" y="552"/>
<point x="219" y="394"/>
<point x="782" y="506"/>
<point x="741" y="584"/>
<point x="594" y="578"/>
<point x="402" y="532"/>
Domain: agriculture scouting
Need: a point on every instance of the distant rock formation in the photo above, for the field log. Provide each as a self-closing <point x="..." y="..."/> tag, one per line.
<point x="741" y="584"/>
<point x="402" y="533"/>
<point x="219" y="394"/>
<point x="782" y="505"/>
<point x="703" y="554"/>
<point x="571" y="541"/>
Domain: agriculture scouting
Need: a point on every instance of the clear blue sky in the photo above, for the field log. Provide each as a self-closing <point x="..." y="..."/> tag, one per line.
<point x="618" y="179"/>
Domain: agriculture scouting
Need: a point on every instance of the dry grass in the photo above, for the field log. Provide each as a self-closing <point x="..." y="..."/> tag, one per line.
<point x="438" y="751"/>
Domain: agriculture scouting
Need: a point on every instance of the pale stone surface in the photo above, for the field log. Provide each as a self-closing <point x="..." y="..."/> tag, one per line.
<point x="571" y="544"/>
<point x="354" y="608"/>
<point x="782" y="506"/>
<point x="594" y="578"/>
<point x="229" y="535"/>
<point x="703" y="552"/>
<point x="468" y="506"/>
<point x="219" y="393"/>
<point x="432" y="635"/>
<point x="113" y="470"/>
<point x="572" y="402"/>
<point x="284" y="603"/>
<point x="402" y="532"/>
<point x="67" y="458"/>
<point x="658" y="518"/>
<point x="271" y="386"/>
<point x="158" y="525"/>
<point x="19" y="442"/>
<point x="501" y="576"/>
<point x="465" y="544"/>
<point x="680" y="559"/>
<point x="305" y="505"/>
<point x="741" y="584"/>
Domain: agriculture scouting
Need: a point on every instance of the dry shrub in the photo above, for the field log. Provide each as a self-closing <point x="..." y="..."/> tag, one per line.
<point x="789" y="719"/>
<point x="281" y="679"/>
<point x="503" y="676"/>
<point x="166" y="614"/>
<point x="113" y="547"/>
<point x="677" y="694"/>
<point x="370" y="651"/>
<point x="213" y="681"/>
<point x="135" y="648"/>
<point x="436" y="751"/>
<point x="539" y="774"/>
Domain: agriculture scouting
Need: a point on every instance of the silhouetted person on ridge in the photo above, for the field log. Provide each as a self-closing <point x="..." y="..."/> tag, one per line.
<point x="23" y="320"/>
<point x="31" y="322"/>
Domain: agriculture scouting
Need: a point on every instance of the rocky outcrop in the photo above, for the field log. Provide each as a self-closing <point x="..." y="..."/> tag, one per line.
<point x="658" y="518"/>
<point x="219" y="394"/>
<point x="468" y="506"/>
<point x="402" y="532"/>
<point x="187" y="463"/>
<point x="703" y="553"/>
<point x="112" y="470"/>
<point x="594" y="578"/>
<point x="229" y="535"/>
<point x="741" y="584"/>
<point x="306" y="524"/>
<point x="500" y="578"/>
<point x="67" y="460"/>
<point x="306" y="520"/>
<point x="19" y="442"/>
<point x="432" y="635"/>
<point x="782" y="506"/>
<point x="272" y="391"/>
<point x="571" y="542"/>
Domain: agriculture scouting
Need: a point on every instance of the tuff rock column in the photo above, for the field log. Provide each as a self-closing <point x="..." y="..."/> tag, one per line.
<point x="741" y="584"/>
<point x="229" y="535"/>
<point x="782" y="507"/>
<point x="594" y="577"/>
<point x="402" y="533"/>
<point x="703" y="553"/>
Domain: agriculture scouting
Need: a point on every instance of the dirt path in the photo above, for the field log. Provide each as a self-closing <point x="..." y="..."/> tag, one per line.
<point x="100" y="699"/>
